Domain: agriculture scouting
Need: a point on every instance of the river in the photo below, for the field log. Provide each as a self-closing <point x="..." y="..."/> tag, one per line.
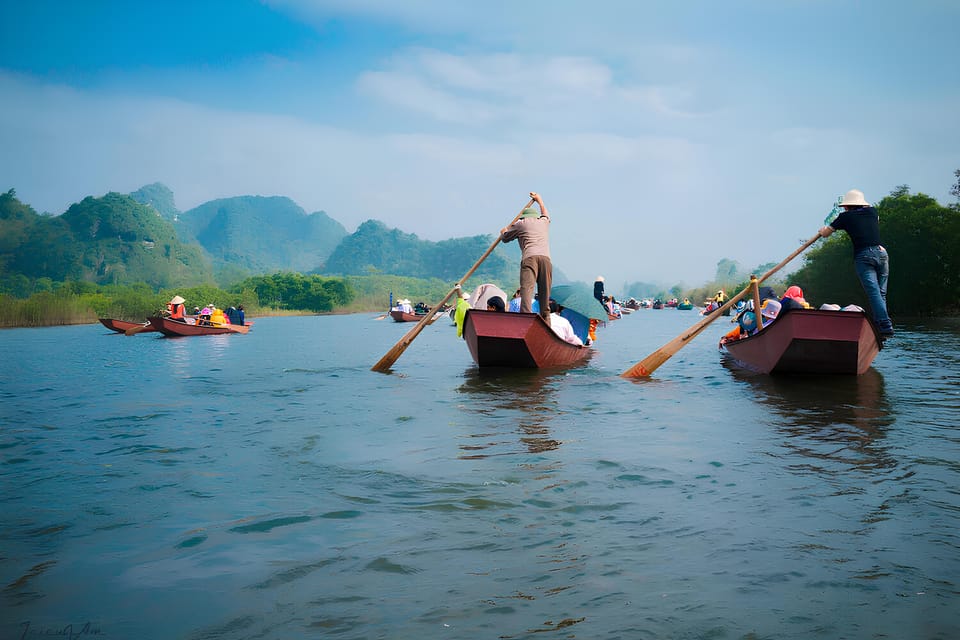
<point x="270" y="485"/>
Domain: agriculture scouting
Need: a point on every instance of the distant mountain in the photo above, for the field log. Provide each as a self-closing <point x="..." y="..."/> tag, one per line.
<point x="143" y="237"/>
<point x="160" y="197"/>
<point x="113" y="239"/>
<point x="373" y="248"/>
<point x="259" y="234"/>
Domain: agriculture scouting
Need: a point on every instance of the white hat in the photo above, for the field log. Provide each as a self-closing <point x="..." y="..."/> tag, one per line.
<point x="854" y="198"/>
<point x="599" y="279"/>
<point x="826" y="306"/>
<point x="177" y="300"/>
<point x="465" y="296"/>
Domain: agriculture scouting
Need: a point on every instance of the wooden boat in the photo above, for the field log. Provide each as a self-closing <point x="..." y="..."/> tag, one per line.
<point x="403" y="316"/>
<point x="169" y="327"/>
<point x="122" y="326"/>
<point x="517" y="340"/>
<point x="810" y="341"/>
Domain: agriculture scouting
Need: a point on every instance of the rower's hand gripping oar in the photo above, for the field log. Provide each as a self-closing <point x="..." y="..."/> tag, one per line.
<point x="384" y="364"/>
<point x="653" y="361"/>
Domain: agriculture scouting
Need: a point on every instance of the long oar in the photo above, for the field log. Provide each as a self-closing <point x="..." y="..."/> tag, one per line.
<point x="653" y="361"/>
<point x="397" y="350"/>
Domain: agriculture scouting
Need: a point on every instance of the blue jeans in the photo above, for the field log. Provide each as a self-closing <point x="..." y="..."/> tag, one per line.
<point x="873" y="269"/>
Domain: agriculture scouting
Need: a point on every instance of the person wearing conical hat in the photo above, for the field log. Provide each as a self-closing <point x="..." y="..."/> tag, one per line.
<point x="862" y="224"/>
<point x="175" y="308"/>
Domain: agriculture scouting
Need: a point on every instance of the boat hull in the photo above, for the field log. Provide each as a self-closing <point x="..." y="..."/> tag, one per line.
<point x="122" y="326"/>
<point x="517" y="340"/>
<point x="173" y="328"/>
<point x="810" y="341"/>
<point x="402" y="316"/>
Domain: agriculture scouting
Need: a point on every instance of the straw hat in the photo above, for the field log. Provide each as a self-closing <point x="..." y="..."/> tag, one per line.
<point x="854" y="198"/>
<point x="177" y="300"/>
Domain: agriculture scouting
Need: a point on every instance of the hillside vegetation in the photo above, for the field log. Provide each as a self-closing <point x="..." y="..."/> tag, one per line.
<point x="124" y="254"/>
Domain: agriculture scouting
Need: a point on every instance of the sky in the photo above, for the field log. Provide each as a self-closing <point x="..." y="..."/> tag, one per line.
<point x="663" y="136"/>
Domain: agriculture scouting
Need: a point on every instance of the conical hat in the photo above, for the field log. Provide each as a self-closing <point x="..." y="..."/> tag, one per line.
<point x="177" y="300"/>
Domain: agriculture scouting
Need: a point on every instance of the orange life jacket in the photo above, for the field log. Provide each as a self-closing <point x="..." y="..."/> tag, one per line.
<point x="176" y="311"/>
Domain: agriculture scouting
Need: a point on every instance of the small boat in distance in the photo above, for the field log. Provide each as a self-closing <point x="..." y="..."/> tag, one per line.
<point x="122" y="326"/>
<point x="517" y="340"/>
<point x="172" y="328"/>
<point x="403" y="316"/>
<point x="810" y="341"/>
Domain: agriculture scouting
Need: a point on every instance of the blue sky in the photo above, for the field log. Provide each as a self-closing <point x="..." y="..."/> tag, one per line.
<point x="663" y="136"/>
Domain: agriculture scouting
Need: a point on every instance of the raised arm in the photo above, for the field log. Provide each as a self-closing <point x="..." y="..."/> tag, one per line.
<point x="539" y="201"/>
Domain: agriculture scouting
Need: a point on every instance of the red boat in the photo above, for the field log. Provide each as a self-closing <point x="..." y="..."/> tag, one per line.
<point x="170" y="327"/>
<point x="810" y="341"/>
<point x="403" y="316"/>
<point x="122" y="326"/>
<point x="518" y="340"/>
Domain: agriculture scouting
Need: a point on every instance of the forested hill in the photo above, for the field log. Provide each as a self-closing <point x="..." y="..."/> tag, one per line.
<point x="112" y="239"/>
<point x="262" y="234"/>
<point x="374" y="248"/>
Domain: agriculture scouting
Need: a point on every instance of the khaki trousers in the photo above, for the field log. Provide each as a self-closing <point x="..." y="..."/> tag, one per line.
<point x="536" y="271"/>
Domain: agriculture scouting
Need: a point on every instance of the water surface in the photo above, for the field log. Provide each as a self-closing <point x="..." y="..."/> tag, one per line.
<point x="271" y="486"/>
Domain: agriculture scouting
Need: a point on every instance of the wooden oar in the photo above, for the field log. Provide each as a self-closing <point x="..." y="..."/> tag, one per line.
<point x="653" y="361"/>
<point x="384" y="364"/>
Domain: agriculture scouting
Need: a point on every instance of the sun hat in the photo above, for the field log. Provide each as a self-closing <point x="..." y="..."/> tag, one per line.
<point x="599" y="279"/>
<point x="770" y="308"/>
<point x="177" y="300"/>
<point x="854" y="198"/>
<point x="465" y="296"/>
<point x="530" y="212"/>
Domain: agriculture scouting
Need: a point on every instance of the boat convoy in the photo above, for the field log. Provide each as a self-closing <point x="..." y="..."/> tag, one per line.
<point x="796" y="340"/>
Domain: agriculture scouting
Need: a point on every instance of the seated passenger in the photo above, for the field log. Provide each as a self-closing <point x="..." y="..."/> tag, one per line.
<point x="793" y="299"/>
<point x="561" y="326"/>
<point x="495" y="303"/>
<point x="769" y="311"/>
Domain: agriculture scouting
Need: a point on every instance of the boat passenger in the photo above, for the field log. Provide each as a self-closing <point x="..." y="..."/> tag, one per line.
<point x="241" y="316"/>
<point x="217" y="317"/>
<point x="460" y="313"/>
<point x="495" y="303"/>
<point x="515" y="302"/>
<point x="793" y="299"/>
<point x="204" y="317"/>
<point x="598" y="289"/>
<point x="561" y="326"/>
<point x="175" y="307"/>
<point x="769" y="311"/>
